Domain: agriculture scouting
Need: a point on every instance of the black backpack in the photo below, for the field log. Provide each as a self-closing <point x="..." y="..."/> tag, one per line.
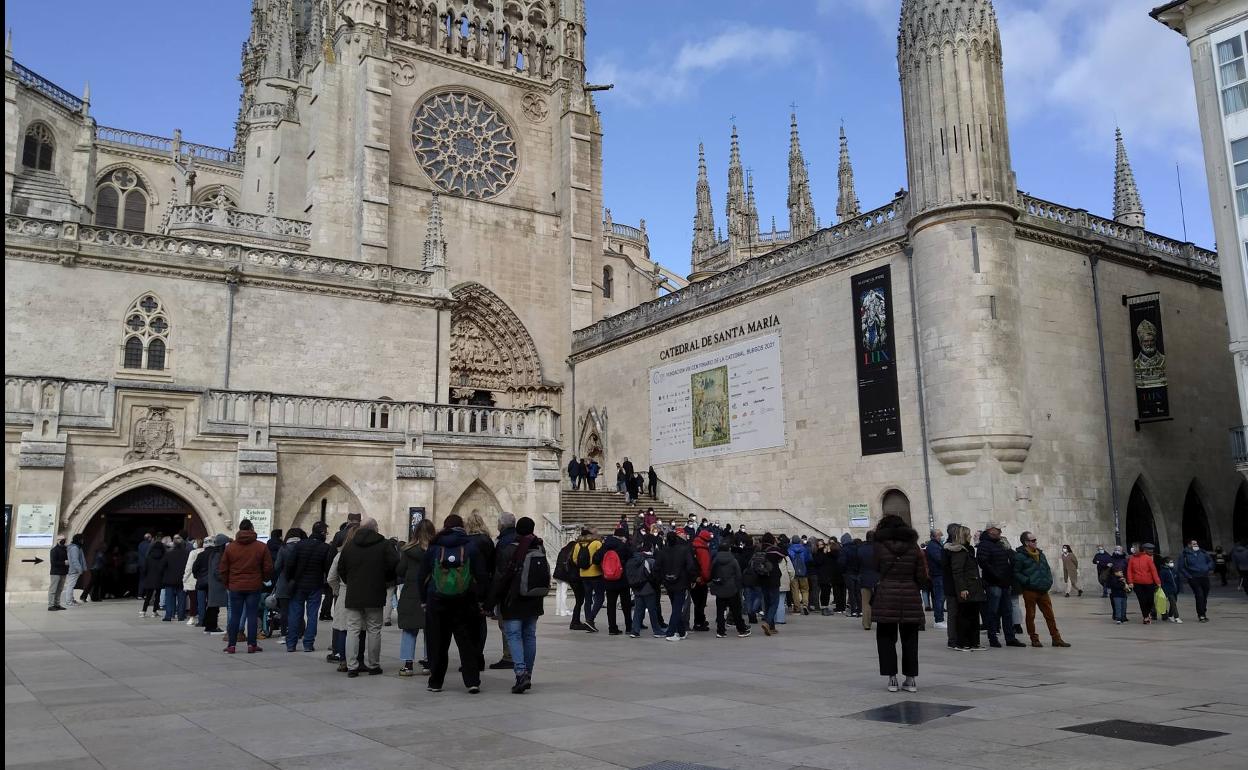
<point x="563" y="564"/>
<point x="759" y="564"/>
<point x="583" y="558"/>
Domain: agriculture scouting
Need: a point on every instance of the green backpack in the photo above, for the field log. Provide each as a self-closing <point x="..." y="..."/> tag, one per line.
<point x="451" y="576"/>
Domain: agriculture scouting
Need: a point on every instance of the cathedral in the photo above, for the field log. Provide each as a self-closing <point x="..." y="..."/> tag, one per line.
<point x="400" y="294"/>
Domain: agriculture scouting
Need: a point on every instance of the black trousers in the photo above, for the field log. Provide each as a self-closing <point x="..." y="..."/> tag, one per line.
<point x="732" y="605"/>
<point x="813" y="592"/>
<point x="886" y="645"/>
<point x="578" y="591"/>
<point x="968" y="624"/>
<point x="458" y="619"/>
<point x="327" y="603"/>
<point x="699" y="594"/>
<point x="209" y="619"/>
<point x="1144" y="594"/>
<point x="625" y="599"/>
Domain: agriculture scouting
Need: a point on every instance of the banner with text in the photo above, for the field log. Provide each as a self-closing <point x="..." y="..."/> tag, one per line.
<point x="719" y="402"/>
<point x="879" y="415"/>
<point x="1148" y="352"/>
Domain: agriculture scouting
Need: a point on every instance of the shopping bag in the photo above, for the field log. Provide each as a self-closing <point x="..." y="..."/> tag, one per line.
<point x="1160" y="602"/>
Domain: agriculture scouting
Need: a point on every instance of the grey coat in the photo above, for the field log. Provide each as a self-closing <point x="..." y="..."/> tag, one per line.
<point x="217" y="595"/>
<point x="285" y="556"/>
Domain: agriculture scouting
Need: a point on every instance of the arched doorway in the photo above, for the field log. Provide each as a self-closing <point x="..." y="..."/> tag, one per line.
<point x="1239" y="521"/>
<point x="329" y="503"/>
<point x="895" y="502"/>
<point x="494" y="360"/>
<point x="477" y="498"/>
<point x="1195" y="521"/>
<point x="1140" y="527"/>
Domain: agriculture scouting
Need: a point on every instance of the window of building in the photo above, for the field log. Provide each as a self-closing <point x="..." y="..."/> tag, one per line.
<point x="38" y="147"/>
<point x="145" y="335"/>
<point x="1239" y="157"/>
<point x="608" y="282"/>
<point x="121" y="200"/>
<point x="1234" y="75"/>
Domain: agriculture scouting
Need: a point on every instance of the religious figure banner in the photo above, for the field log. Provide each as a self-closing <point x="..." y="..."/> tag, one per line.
<point x="1148" y="353"/>
<point x="879" y="414"/>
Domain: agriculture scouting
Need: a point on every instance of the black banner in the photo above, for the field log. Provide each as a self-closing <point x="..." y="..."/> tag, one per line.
<point x="415" y="515"/>
<point x="879" y="416"/>
<point x="1148" y="357"/>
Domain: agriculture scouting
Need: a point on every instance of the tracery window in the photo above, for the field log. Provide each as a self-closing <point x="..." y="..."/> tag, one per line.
<point x="121" y="200"/>
<point x="145" y="335"/>
<point x="464" y="145"/>
<point x="38" y="147"/>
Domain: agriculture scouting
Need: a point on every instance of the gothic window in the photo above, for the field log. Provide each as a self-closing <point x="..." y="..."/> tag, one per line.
<point x="1239" y="156"/>
<point x="217" y="196"/>
<point x="146" y="335"/>
<point x="608" y="282"/>
<point x="37" y="148"/>
<point x="1234" y="74"/>
<point x="121" y="200"/>
<point x="464" y="145"/>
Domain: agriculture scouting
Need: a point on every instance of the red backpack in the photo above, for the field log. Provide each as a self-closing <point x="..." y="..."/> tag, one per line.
<point x="612" y="568"/>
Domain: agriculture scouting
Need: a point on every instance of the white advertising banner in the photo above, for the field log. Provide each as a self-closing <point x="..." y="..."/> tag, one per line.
<point x="718" y="402"/>
<point x="261" y="521"/>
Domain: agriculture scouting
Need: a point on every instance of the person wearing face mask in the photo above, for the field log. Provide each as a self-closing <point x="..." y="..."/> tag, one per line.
<point x="1142" y="579"/>
<point x="1195" y="566"/>
<point x="1170" y="587"/>
<point x="1104" y="566"/>
<point x="1070" y="571"/>
<point x="1118" y="559"/>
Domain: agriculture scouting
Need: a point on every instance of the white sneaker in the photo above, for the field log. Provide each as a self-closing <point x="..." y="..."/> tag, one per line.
<point x="143" y="614"/>
<point x="942" y="625"/>
<point x="1177" y="620"/>
<point x="190" y="621"/>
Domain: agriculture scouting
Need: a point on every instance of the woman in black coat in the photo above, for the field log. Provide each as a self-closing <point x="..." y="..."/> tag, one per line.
<point x="411" y="614"/>
<point x="962" y="571"/>
<point x="897" y="607"/>
<point x="153" y="577"/>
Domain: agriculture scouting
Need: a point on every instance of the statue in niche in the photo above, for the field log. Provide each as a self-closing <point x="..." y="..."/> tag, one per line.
<point x="154" y="437"/>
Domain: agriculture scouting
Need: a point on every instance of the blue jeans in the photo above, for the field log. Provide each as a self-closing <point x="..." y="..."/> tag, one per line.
<point x="522" y="640"/>
<point x="642" y="605"/>
<point x="676" y="621"/>
<point x="778" y="615"/>
<point x="938" y="598"/>
<point x="201" y="603"/>
<point x="771" y="601"/>
<point x="175" y="603"/>
<point x="303" y="604"/>
<point x="999" y="613"/>
<point x="407" y="646"/>
<point x="1119" y="603"/>
<point x="752" y="601"/>
<point x="595" y="594"/>
<point x="244" y="607"/>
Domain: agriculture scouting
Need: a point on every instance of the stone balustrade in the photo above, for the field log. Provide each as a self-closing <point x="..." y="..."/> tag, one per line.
<point x="169" y="247"/>
<point x="218" y="220"/>
<point x="165" y="145"/>
<point x="34" y="80"/>
<point x="91" y="403"/>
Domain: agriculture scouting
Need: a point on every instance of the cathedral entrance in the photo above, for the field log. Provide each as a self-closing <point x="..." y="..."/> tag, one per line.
<point x="494" y="360"/>
<point x="1195" y="521"/>
<point x="1140" y="527"/>
<point x="896" y="503"/>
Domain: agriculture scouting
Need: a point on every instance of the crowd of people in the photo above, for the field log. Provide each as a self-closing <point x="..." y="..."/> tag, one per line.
<point x="629" y="482"/>
<point x="453" y="583"/>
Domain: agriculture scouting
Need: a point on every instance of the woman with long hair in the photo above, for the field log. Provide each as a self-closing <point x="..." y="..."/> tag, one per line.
<point x="411" y="613"/>
<point x="474" y="525"/>
<point x="897" y="607"/>
<point x="968" y="588"/>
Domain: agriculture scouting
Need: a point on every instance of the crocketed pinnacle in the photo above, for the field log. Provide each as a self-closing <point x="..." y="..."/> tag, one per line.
<point x="801" y="204"/>
<point x="847" y="196"/>
<point x="737" y="211"/>
<point x="751" y="210"/>
<point x="704" y="218"/>
<point x="1128" y="209"/>
<point x="435" y="241"/>
<point x="922" y="19"/>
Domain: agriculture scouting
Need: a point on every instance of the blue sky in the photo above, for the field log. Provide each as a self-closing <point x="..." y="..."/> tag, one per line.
<point x="1074" y="70"/>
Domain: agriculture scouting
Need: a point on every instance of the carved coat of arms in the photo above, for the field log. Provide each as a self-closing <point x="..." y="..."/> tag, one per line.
<point x="154" y="437"/>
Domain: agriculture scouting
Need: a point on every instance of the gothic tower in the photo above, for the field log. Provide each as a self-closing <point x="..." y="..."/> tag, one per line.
<point x="801" y="206"/>
<point x="737" y="208"/>
<point x="1128" y="210"/>
<point x="962" y="208"/>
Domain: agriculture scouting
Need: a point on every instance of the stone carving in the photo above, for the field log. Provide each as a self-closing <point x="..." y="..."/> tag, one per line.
<point x="403" y="72"/>
<point x="464" y="145"/>
<point x="490" y="348"/>
<point x="154" y="437"/>
<point x="534" y="106"/>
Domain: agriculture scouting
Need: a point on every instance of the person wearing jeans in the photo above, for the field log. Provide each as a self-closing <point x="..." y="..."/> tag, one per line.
<point x="306" y="573"/>
<point x="1196" y="565"/>
<point x="592" y="588"/>
<point x="999" y="616"/>
<point x="245" y="565"/>
<point x="244" y="605"/>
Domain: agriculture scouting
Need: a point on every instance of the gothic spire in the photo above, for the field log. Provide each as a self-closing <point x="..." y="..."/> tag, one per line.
<point x="704" y="219"/>
<point x="1128" y="209"/>
<point x="801" y="206"/>
<point x="435" y="242"/>
<point x="737" y="209"/>
<point x="751" y="210"/>
<point x="847" y="199"/>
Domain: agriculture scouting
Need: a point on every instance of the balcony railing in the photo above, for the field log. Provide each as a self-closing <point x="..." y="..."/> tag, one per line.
<point x="32" y="79"/>
<point x="165" y="145"/>
<point x="1239" y="447"/>
<point x="231" y="221"/>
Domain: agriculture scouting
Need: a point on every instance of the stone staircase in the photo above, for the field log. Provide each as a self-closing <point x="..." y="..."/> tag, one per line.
<point x="601" y="508"/>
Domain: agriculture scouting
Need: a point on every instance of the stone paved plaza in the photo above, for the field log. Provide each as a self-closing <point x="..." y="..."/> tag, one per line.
<point x="98" y="687"/>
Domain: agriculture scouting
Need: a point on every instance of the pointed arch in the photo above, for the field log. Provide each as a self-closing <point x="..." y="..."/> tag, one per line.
<point x="490" y="347"/>
<point x="1140" y="523"/>
<point x="1196" y="519"/>
<point x="479" y="498"/>
<point x="332" y="498"/>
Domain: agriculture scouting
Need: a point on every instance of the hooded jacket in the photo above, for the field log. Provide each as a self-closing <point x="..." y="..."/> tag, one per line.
<point x="218" y="596"/>
<point x="153" y="568"/>
<point x="850" y="566"/>
<point x="58" y="560"/>
<point x="1195" y="564"/>
<point x="996" y="562"/>
<point x="453" y="540"/>
<point x="246" y="563"/>
<point x="799" y="555"/>
<point x="903" y="571"/>
<point x="935" y="552"/>
<point x="675" y="564"/>
<point x="77" y="560"/>
<point x="702" y="556"/>
<point x="726" y="576"/>
<point x="174" y="567"/>
<point x="281" y="566"/>
<point x="411" y="615"/>
<point x="309" y="567"/>
<point x="963" y="573"/>
<point x="367" y="566"/>
<point x="505" y="587"/>
<point x="642" y="573"/>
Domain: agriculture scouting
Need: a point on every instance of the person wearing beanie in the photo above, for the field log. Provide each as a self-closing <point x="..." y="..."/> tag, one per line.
<point x="614" y="554"/>
<point x="517" y="603"/>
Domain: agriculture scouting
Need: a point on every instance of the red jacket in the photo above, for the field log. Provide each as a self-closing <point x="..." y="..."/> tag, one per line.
<point x="246" y="563"/>
<point x="1142" y="570"/>
<point x="702" y="555"/>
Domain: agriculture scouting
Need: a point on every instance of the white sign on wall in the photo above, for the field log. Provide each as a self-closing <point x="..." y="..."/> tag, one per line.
<point x="261" y="520"/>
<point x="719" y="402"/>
<point x="859" y="515"/>
<point x="36" y="526"/>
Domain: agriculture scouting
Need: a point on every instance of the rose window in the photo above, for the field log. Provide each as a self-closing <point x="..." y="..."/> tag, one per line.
<point x="464" y="145"/>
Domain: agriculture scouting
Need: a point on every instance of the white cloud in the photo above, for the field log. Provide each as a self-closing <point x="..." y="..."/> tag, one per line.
<point x="667" y="78"/>
<point x="1121" y="68"/>
<point x="883" y="12"/>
